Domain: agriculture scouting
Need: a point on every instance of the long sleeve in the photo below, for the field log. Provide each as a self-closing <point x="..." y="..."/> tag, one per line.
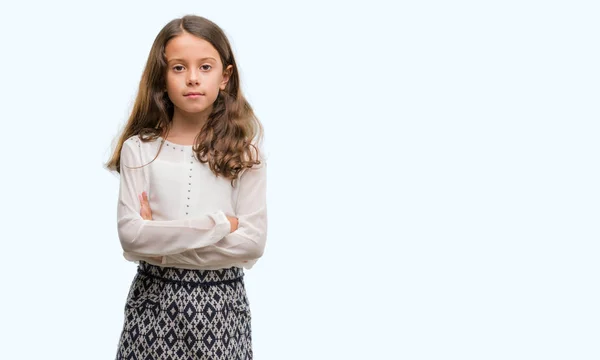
<point x="163" y="237"/>
<point x="247" y="243"/>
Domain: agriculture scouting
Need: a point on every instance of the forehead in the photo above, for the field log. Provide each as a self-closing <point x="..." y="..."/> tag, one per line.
<point x="189" y="47"/>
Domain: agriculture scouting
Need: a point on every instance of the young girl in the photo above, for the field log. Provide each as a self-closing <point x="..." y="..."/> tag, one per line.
<point x="192" y="200"/>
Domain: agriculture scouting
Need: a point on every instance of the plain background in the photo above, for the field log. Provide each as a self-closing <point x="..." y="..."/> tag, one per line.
<point x="433" y="182"/>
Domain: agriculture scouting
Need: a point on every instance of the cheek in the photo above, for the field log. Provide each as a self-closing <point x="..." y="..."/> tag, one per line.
<point x="171" y="82"/>
<point x="209" y="83"/>
<point x="173" y="88"/>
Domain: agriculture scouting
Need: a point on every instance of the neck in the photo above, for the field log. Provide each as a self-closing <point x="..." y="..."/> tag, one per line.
<point x="188" y="125"/>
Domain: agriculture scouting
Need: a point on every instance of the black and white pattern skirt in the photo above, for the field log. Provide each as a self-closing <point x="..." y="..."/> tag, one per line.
<point x="174" y="313"/>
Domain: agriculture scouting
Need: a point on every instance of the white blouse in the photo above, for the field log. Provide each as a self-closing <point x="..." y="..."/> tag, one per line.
<point x="189" y="204"/>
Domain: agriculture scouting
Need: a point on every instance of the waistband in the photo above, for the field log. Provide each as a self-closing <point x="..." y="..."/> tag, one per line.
<point x="189" y="276"/>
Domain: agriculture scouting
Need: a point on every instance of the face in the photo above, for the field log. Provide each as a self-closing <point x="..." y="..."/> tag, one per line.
<point x="195" y="74"/>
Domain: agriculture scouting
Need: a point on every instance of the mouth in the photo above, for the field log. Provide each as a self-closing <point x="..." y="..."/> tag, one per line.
<point x="193" y="94"/>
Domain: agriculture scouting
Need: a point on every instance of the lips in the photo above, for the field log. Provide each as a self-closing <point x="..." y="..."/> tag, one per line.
<point x="193" y="94"/>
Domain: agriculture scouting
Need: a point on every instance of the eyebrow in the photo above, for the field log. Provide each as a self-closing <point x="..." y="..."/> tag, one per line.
<point x="202" y="59"/>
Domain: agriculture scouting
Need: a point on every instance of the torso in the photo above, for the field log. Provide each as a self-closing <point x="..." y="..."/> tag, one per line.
<point x="180" y="186"/>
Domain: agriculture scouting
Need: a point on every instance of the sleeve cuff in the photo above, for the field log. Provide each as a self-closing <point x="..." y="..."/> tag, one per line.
<point x="222" y="224"/>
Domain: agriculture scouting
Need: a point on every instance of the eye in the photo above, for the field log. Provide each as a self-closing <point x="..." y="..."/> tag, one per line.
<point x="205" y="67"/>
<point x="178" y="68"/>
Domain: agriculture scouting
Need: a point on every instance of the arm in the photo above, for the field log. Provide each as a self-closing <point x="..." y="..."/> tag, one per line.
<point x="151" y="237"/>
<point x="245" y="244"/>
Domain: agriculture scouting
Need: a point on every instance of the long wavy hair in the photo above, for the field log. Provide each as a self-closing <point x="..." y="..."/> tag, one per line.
<point x="227" y="140"/>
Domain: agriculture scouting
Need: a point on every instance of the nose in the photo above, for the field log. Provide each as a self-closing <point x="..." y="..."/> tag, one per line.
<point x="193" y="78"/>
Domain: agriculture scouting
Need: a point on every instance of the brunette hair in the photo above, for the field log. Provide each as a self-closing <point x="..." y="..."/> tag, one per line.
<point x="226" y="141"/>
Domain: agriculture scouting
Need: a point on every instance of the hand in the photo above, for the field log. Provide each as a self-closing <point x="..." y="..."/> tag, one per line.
<point x="145" y="210"/>
<point x="233" y="221"/>
<point x="146" y="214"/>
<point x="234" y="225"/>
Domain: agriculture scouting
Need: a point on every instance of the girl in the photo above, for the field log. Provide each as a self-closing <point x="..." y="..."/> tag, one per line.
<point x="192" y="200"/>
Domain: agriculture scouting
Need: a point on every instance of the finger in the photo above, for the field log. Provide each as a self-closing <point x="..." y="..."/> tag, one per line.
<point x="145" y="215"/>
<point x="143" y="206"/>
<point x="145" y="210"/>
<point x="146" y="201"/>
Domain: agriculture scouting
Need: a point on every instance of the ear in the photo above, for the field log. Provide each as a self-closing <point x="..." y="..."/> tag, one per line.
<point x="226" y="75"/>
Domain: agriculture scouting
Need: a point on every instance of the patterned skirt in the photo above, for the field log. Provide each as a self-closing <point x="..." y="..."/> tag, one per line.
<point x="174" y="313"/>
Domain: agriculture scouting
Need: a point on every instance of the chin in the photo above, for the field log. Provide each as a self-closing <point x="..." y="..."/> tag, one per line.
<point x="193" y="110"/>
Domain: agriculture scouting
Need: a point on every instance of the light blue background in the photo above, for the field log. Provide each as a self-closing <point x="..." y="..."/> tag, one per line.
<point x="433" y="179"/>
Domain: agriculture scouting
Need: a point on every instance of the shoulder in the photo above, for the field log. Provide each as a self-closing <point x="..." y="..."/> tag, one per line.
<point x="136" y="142"/>
<point x="131" y="145"/>
<point x="131" y="151"/>
<point x="133" y="140"/>
<point x="258" y="153"/>
<point x="258" y="148"/>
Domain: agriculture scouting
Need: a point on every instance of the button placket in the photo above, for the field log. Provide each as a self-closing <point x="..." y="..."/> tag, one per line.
<point x="187" y="205"/>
